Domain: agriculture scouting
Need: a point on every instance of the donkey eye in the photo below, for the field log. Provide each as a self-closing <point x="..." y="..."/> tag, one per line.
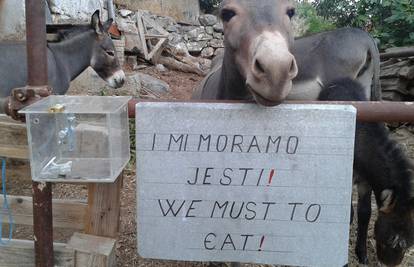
<point x="227" y="15"/>
<point x="111" y="53"/>
<point x="291" y="12"/>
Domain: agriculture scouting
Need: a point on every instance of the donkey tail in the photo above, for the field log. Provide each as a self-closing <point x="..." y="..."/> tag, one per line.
<point x="376" y="91"/>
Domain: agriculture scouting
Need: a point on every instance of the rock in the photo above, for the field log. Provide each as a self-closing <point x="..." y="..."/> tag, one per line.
<point x="132" y="61"/>
<point x="185" y="29"/>
<point x="175" y="38"/>
<point x="217" y="35"/>
<point x="164" y="21"/>
<point x="215" y="43"/>
<point x="207" y="52"/>
<point x="219" y="52"/>
<point x="172" y="28"/>
<point x="207" y="20"/>
<point x="178" y="49"/>
<point x="127" y="25"/>
<point x="64" y="11"/>
<point x="194" y="34"/>
<point x="209" y="30"/>
<point x="125" y="12"/>
<point x="89" y="83"/>
<point x="132" y="43"/>
<point x="218" y="27"/>
<point x="153" y="84"/>
<point x="196" y="47"/>
<point x="161" y="68"/>
<point x="132" y="86"/>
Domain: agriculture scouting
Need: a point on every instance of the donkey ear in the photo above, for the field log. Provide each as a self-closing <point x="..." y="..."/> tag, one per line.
<point x="108" y="25"/>
<point x="96" y="22"/>
<point x="387" y="201"/>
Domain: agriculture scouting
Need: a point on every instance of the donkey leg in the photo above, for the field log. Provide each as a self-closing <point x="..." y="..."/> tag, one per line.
<point x="352" y="214"/>
<point x="364" y="215"/>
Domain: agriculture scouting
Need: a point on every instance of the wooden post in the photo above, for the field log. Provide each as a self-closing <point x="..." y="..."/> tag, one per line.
<point x="104" y="206"/>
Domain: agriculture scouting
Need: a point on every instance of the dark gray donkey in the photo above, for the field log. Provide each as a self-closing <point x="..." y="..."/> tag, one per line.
<point x="381" y="167"/>
<point x="262" y="61"/>
<point x="77" y="49"/>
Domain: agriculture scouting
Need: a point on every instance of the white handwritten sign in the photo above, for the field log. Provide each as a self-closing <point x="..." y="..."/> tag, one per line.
<point x="239" y="182"/>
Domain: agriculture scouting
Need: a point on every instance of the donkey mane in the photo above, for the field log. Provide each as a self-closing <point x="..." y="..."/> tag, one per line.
<point x="66" y="34"/>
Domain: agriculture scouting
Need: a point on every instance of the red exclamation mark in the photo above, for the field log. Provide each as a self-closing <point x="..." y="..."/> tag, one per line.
<point x="261" y="243"/>
<point x="272" y="173"/>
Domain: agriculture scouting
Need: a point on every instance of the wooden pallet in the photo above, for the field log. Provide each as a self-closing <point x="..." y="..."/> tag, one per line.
<point x="151" y="53"/>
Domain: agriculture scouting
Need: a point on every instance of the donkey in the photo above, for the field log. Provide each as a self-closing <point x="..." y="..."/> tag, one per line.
<point x="380" y="166"/>
<point x="78" y="49"/>
<point x="261" y="59"/>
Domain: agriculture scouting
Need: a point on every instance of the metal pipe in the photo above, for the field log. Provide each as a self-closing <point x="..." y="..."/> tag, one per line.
<point x="43" y="224"/>
<point x="36" y="43"/>
<point x="367" y="111"/>
<point x="111" y="9"/>
<point x="38" y="77"/>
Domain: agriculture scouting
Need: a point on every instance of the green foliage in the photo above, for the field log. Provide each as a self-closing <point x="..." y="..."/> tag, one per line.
<point x="209" y="6"/>
<point x="313" y="22"/>
<point x="391" y="21"/>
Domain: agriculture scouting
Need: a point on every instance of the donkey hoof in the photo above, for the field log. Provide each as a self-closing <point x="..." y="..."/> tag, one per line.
<point x="361" y="254"/>
<point x="363" y="260"/>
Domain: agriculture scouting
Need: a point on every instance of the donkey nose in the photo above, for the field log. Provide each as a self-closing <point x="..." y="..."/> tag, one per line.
<point x="267" y="66"/>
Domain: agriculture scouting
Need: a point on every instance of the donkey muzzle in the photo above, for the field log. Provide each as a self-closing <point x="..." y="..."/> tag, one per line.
<point x="117" y="80"/>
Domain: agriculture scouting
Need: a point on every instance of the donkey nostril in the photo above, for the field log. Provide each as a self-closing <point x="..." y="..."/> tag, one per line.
<point x="293" y="69"/>
<point x="259" y="67"/>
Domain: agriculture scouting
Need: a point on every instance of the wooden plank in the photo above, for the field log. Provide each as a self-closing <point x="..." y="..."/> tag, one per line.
<point x="93" y="251"/>
<point x="152" y="36"/>
<point x="156" y="48"/>
<point x="14" y="152"/>
<point x="20" y="253"/>
<point x="156" y="26"/>
<point x="398" y="52"/>
<point x="66" y="213"/>
<point x="142" y="34"/>
<point x="13" y="139"/>
<point x="102" y="218"/>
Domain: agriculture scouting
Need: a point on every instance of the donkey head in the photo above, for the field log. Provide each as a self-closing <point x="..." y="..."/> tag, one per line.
<point x="104" y="60"/>
<point x="259" y="36"/>
<point x="394" y="228"/>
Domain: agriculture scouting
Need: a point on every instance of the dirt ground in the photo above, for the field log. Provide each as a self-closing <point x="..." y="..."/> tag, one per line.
<point x="181" y="85"/>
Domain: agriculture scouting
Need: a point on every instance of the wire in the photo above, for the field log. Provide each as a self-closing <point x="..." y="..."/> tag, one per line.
<point x="5" y="206"/>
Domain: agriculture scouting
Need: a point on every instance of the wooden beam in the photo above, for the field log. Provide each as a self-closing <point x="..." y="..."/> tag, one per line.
<point x="93" y="251"/>
<point x="13" y="139"/>
<point x="398" y="52"/>
<point x="142" y="32"/>
<point x="104" y="206"/>
<point x="66" y="213"/>
<point x="156" y="48"/>
<point x="14" y="152"/>
<point x="20" y="253"/>
<point x="157" y="36"/>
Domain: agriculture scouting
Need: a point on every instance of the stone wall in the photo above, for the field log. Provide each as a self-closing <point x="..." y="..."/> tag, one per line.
<point x="180" y="10"/>
<point x="79" y="11"/>
<point x="12" y="15"/>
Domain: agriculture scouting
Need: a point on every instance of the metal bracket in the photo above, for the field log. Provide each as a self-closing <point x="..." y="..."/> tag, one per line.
<point x="23" y="97"/>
